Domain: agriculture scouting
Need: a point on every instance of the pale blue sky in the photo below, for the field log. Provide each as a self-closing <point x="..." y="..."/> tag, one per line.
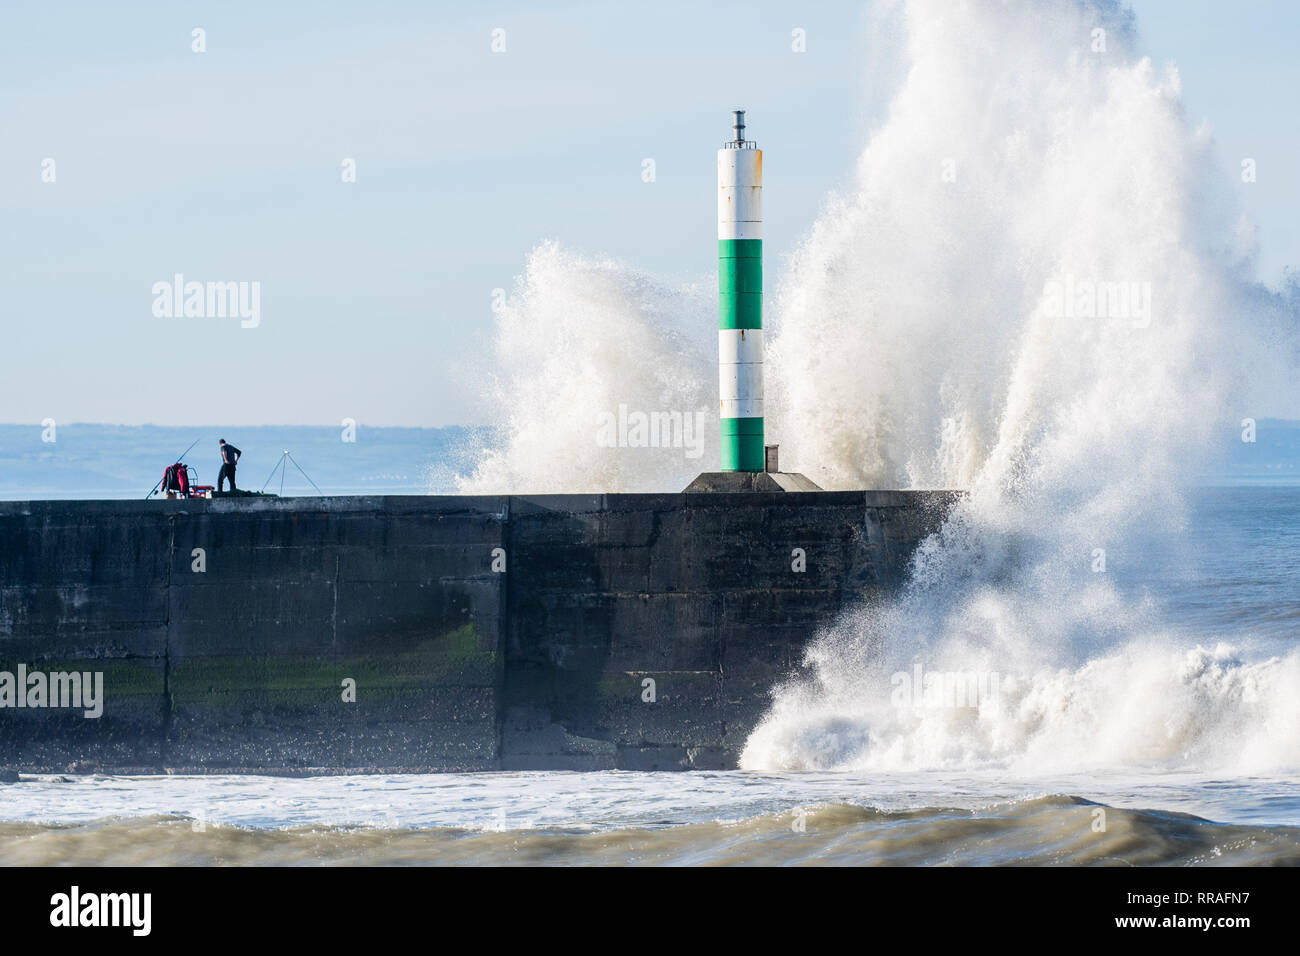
<point x="226" y="165"/>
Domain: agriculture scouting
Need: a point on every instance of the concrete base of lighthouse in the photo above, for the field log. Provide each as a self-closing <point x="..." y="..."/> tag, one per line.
<point x="725" y="481"/>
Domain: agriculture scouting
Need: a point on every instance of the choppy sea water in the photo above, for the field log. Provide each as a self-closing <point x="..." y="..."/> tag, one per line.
<point x="620" y="818"/>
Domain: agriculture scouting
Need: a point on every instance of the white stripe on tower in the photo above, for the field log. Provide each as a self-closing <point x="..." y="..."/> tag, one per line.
<point x="740" y="191"/>
<point x="740" y="372"/>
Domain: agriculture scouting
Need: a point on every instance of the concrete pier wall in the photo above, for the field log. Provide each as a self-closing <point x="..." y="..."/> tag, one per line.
<point x="480" y="633"/>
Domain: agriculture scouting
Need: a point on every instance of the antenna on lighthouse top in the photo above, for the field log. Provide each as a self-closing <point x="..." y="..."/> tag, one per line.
<point x="738" y="124"/>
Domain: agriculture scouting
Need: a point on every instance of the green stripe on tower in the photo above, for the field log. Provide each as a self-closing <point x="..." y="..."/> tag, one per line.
<point x="740" y="248"/>
<point x="742" y="444"/>
<point x="740" y="310"/>
<point x="740" y="283"/>
<point x="740" y="275"/>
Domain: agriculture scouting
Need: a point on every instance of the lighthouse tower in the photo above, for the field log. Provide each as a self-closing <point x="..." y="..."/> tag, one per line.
<point x="747" y="464"/>
<point x="740" y="300"/>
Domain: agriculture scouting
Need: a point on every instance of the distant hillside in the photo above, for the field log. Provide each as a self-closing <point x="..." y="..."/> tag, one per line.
<point x="117" y="461"/>
<point x="1272" y="459"/>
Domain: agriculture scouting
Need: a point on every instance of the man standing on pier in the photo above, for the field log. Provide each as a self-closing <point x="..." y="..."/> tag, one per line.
<point x="229" y="457"/>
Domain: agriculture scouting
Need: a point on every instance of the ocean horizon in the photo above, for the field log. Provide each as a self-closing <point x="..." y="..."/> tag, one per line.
<point x="105" y="461"/>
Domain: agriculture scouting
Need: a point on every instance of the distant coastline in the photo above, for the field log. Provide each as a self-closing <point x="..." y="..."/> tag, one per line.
<point x="89" y="460"/>
<point x="125" y="461"/>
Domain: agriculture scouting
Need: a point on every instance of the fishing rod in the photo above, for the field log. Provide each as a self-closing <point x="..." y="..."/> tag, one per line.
<point x="280" y="467"/>
<point x="178" y="461"/>
<point x="304" y="474"/>
<point x="283" y="455"/>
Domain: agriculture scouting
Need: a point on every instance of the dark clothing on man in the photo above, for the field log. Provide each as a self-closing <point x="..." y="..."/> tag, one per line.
<point x="229" y="455"/>
<point x="227" y="471"/>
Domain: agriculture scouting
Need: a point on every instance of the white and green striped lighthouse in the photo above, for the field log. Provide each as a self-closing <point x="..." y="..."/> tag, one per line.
<point x="740" y="300"/>
<point x="747" y="464"/>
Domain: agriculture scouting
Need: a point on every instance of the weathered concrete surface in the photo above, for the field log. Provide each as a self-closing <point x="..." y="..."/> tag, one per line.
<point x="715" y="481"/>
<point x="481" y="633"/>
